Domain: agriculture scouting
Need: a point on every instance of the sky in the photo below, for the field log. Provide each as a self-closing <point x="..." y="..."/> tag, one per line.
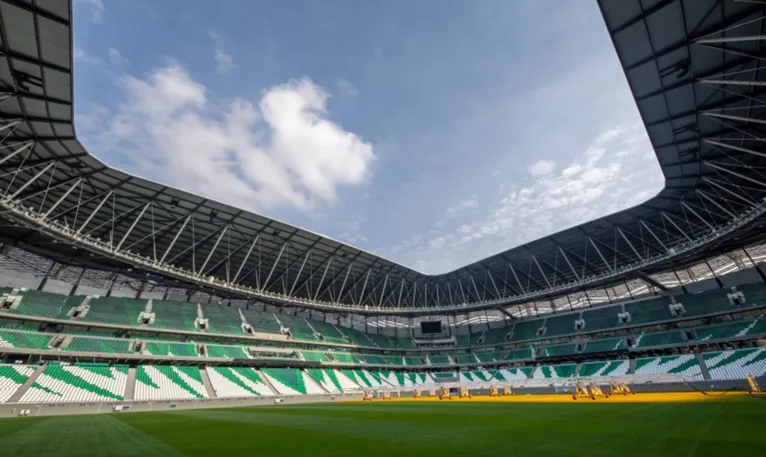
<point x="433" y="133"/>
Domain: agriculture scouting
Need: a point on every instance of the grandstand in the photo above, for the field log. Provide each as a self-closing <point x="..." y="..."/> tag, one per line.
<point x="107" y="312"/>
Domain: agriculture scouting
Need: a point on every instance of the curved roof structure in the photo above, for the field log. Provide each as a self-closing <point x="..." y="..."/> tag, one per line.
<point x="693" y="68"/>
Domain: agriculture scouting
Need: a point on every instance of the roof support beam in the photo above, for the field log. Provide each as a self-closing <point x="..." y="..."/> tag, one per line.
<point x="175" y="238"/>
<point x="215" y="246"/>
<point x="247" y="256"/>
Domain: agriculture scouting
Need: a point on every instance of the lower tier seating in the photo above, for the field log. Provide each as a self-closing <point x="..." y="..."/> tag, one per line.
<point x="608" y="368"/>
<point x="736" y="364"/>
<point x="291" y="381"/>
<point x="12" y="377"/>
<point x="157" y="382"/>
<point x="554" y="371"/>
<point x="78" y="383"/>
<point x="685" y="364"/>
<point x="365" y="379"/>
<point x="231" y="382"/>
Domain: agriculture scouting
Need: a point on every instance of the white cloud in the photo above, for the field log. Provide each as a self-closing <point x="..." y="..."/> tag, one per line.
<point x="281" y="150"/>
<point x="347" y="89"/>
<point x="468" y="203"/>
<point x="96" y="8"/>
<point x="542" y="168"/>
<point x="81" y="55"/>
<point x="224" y="61"/>
<point x="618" y="170"/>
<point x="116" y="58"/>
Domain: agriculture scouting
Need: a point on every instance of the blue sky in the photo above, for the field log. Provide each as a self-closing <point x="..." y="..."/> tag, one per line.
<point x="433" y="133"/>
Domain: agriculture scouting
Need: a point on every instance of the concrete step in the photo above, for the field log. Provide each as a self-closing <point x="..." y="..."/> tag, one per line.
<point x="207" y="383"/>
<point x="703" y="366"/>
<point x="130" y="385"/>
<point x="24" y="387"/>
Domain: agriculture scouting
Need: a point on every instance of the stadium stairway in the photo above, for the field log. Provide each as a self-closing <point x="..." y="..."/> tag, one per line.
<point x="130" y="384"/>
<point x="16" y="389"/>
<point x="206" y="382"/>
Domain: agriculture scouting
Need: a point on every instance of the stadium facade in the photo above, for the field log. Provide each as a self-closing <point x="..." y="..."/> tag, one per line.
<point x="160" y="277"/>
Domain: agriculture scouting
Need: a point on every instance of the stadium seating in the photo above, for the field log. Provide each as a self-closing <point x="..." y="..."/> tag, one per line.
<point x="705" y="303"/>
<point x="729" y="330"/>
<point x="291" y="381"/>
<point x="645" y="340"/>
<point x="107" y="345"/>
<point x="439" y="359"/>
<point x="737" y="364"/>
<point x="299" y="327"/>
<point x="604" y="345"/>
<point x="174" y="315"/>
<point x="554" y="371"/>
<point x="526" y="330"/>
<point x="517" y="354"/>
<point x="113" y="310"/>
<point x="344" y="357"/>
<point x="364" y="378"/>
<point x="168" y="348"/>
<point x="648" y="311"/>
<point x="558" y="350"/>
<point x="325" y="378"/>
<point x="357" y="338"/>
<point x="608" y="368"/>
<point x="222" y="319"/>
<point x="159" y="382"/>
<point x="79" y="383"/>
<point x="329" y="332"/>
<point x="229" y="382"/>
<point x="563" y="324"/>
<point x="495" y="336"/>
<point x="227" y="352"/>
<point x="510" y="374"/>
<point x="25" y="340"/>
<point x="600" y="318"/>
<point x="466" y="358"/>
<point x="315" y="356"/>
<point x="686" y="365"/>
<point x="12" y="377"/>
<point x="262" y="321"/>
<point x="46" y="304"/>
<point x="381" y="341"/>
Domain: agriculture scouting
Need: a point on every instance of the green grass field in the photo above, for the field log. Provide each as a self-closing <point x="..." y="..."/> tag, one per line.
<point x="717" y="428"/>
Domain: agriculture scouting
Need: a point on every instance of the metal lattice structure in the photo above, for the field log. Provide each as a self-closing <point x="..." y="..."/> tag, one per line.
<point x="694" y="67"/>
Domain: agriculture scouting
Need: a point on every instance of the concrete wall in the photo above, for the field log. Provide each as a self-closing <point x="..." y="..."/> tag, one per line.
<point x="43" y="409"/>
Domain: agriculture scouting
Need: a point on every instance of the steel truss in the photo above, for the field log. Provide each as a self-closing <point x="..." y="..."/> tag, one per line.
<point x="710" y="145"/>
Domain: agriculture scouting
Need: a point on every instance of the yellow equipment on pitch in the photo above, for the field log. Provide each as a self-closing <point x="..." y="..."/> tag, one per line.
<point x="464" y="393"/>
<point x="444" y="394"/>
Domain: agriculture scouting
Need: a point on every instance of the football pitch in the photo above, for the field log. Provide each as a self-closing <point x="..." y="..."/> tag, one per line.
<point x="726" y="427"/>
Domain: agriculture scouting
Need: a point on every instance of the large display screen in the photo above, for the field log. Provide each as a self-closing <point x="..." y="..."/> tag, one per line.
<point x="431" y="327"/>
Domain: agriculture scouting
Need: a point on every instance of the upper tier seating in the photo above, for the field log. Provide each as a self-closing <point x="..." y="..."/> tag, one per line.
<point x="107" y="345"/>
<point x="608" y="368"/>
<point x="231" y="382"/>
<point x="24" y="340"/>
<point x="299" y="327"/>
<point x="737" y="364"/>
<point x="227" y="352"/>
<point x="174" y="315"/>
<point x="496" y="336"/>
<point x="160" y="382"/>
<point x="114" y="310"/>
<point x="174" y="349"/>
<point x="563" y="324"/>
<point x="329" y="332"/>
<point x="518" y="354"/>
<point x="315" y="356"/>
<point x="222" y="319"/>
<point x="381" y="341"/>
<point x="357" y="338"/>
<point x="655" y="339"/>
<point x="604" y="345"/>
<point x="46" y="304"/>
<point x="466" y="358"/>
<point x="79" y="383"/>
<point x="729" y="330"/>
<point x="685" y="364"/>
<point x="12" y="377"/>
<point x="374" y="359"/>
<point x="554" y="371"/>
<point x="705" y="303"/>
<point x="557" y="350"/>
<point x="439" y="359"/>
<point x="600" y="318"/>
<point x="647" y="311"/>
<point x="526" y="330"/>
<point x="262" y="321"/>
<point x="291" y="381"/>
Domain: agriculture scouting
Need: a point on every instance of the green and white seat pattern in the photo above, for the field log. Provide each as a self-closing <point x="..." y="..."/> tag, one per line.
<point x="333" y="381"/>
<point x="737" y="364"/>
<point x="291" y="381"/>
<point x="79" y="383"/>
<point x="12" y="377"/>
<point x="399" y="379"/>
<point x="171" y="348"/>
<point x="554" y="371"/>
<point x="26" y="340"/>
<point x="685" y="365"/>
<point x="608" y="368"/>
<point x="512" y="374"/>
<point x="230" y="382"/>
<point x="366" y="379"/>
<point x="157" y="382"/>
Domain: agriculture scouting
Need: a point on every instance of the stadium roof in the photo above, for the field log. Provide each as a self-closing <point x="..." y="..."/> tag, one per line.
<point x="693" y="68"/>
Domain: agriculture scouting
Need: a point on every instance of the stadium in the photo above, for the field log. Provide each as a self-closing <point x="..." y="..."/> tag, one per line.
<point x="137" y="318"/>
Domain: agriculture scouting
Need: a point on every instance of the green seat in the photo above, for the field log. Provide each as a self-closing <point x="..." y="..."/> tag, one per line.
<point x="174" y="315"/>
<point x="115" y="310"/>
<point x="105" y="345"/>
